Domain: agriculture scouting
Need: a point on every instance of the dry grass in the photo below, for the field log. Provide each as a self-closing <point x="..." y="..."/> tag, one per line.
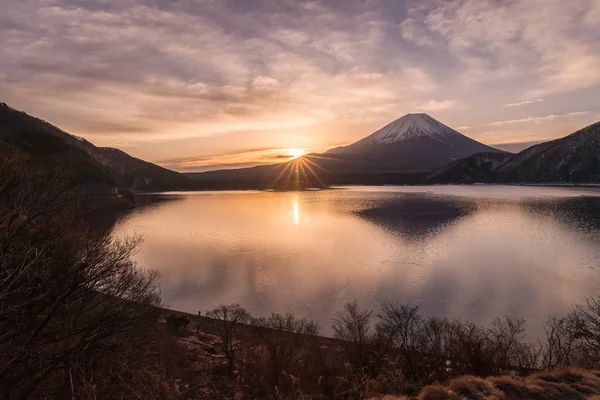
<point x="570" y="384"/>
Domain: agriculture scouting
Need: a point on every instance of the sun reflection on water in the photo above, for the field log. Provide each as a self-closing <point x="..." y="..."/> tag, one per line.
<point x="296" y="211"/>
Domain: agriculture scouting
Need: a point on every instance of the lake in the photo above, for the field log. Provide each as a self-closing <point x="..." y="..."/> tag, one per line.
<point x="470" y="252"/>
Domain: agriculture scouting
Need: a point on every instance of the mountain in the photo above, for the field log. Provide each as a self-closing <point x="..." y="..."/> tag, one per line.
<point x="413" y="143"/>
<point x="402" y="152"/>
<point x="480" y="167"/>
<point x="572" y="159"/>
<point x="100" y="169"/>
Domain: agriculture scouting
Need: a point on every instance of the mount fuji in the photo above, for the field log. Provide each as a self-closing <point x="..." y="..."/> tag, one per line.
<point x="412" y="143"/>
<point x="402" y="152"/>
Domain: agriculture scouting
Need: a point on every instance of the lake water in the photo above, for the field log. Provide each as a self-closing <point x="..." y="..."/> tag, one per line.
<point x="471" y="252"/>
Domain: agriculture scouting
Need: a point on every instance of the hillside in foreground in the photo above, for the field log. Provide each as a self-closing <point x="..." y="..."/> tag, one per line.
<point x="229" y="354"/>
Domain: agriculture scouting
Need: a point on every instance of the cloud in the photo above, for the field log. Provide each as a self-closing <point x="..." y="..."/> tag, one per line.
<point x="177" y="63"/>
<point x="412" y="31"/>
<point x="179" y="73"/>
<point x="228" y="161"/>
<point x="522" y="103"/>
<point x="434" y="105"/>
<point x="549" y="52"/>
<point x="463" y="128"/>
<point x="419" y="80"/>
<point x="538" y="120"/>
<point x="516" y="147"/>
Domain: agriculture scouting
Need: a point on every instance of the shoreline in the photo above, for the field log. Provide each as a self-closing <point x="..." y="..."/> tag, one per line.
<point x="343" y="186"/>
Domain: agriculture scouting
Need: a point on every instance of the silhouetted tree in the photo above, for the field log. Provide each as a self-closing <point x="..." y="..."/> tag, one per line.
<point x="230" y="318"/>
<point x="366" y="347"/>
<point x="286" y="341"/>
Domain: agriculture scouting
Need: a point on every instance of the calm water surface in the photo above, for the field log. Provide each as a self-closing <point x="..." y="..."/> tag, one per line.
<point x="472" y="252"/>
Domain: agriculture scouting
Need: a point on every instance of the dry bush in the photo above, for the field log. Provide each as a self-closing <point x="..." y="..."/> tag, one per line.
<point x="366" y="348"/>
<point x="283" y="354"/>
<point x="573" y="340"/>
<point x="404" y="351"/>
<point x="229" y="328"/>
<point x="404" y="325"/>
<point x="561" y="348"/>
<point x="426" y="346"/>
<point x="353" y="327"/>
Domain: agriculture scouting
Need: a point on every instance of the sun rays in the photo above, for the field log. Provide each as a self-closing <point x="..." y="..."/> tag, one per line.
<point x="301" y="173"/>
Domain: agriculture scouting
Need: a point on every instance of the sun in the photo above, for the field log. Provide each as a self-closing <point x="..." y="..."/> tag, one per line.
<point x="295" y="153"/>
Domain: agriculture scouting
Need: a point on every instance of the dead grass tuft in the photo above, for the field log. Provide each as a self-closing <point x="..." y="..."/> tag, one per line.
<point x="472" y="387"/>
<point x="437" y="392"/>
<point x="570" y="384"/>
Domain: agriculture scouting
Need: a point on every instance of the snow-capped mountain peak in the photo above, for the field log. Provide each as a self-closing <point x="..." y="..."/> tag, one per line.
<point x="415" y="142"/>
<point x="409" y="126"/>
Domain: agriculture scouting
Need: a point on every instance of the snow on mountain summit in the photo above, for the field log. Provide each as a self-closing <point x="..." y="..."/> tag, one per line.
<point x="409" y="126"/>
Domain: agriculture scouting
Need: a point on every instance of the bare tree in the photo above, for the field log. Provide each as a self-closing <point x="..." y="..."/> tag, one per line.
<point x="286" y="341"/>
<point x="404" y="325"/>
<point x="584" y="323"/>
<point x="505" y="343"/>
<point x="437" y="347"/>
<point x="353" y="327"/>
<point x="229" y="327"/>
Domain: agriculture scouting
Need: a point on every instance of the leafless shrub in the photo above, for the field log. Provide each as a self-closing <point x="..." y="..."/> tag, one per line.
<point x="573" y="340"/>
<point x="230" y="318"/>
<point x="404" y="325"/>
<point x="557" y="349"/>
<point x="436" y="348"/>
<point x="353" y="327"/>
<point x="285" y="342"/>
<point x="505" y="345"/>
<point x="584" y="325"/>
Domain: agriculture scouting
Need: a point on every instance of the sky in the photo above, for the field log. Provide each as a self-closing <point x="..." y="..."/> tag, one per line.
<point x="205" y="84"/>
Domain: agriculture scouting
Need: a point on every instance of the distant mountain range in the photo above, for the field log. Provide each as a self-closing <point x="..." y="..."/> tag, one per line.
<point x="414" y="149"/>
<point x="102" y="170"/>
<point x="572" y="159"/>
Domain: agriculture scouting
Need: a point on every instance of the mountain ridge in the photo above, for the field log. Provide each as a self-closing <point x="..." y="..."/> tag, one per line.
<point x="89" y="163"/>
<point x="574" y="158"/>
<point x="399" y="153"/>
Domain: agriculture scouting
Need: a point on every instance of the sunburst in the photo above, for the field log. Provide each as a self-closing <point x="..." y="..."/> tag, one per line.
<point x="298" y="173"/>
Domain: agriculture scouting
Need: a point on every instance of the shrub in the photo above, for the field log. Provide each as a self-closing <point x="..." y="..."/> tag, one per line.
<point x="285" y="344"/>
<point x="230" y="318"/>
<point x="177" y="323"/>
